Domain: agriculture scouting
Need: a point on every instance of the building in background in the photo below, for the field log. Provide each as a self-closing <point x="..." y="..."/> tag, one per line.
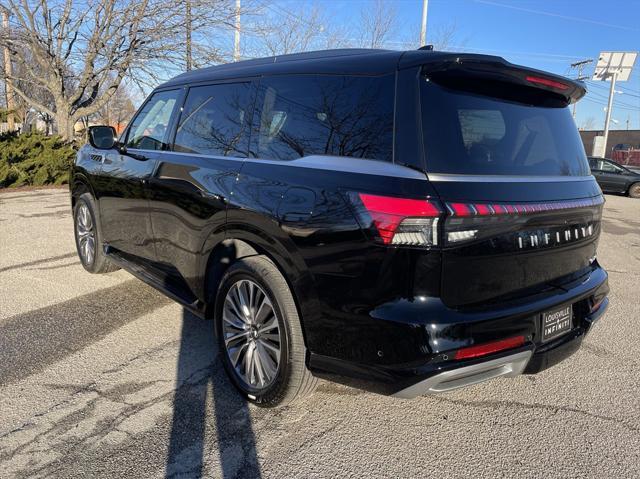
<point x="629" y="138"/>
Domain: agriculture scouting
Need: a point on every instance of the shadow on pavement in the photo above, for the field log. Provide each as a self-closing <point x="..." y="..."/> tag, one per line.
<point x="204" y="391"/>
<point x="40" y="261"/>
<point x="31" y="341"/>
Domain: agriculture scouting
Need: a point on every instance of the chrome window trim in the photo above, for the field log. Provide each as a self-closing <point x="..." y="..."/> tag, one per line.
<point x="329" y="163"/>
<point x="383" y="168"/>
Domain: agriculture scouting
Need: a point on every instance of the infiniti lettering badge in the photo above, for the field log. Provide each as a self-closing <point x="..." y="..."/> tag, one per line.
<point x="527" y="240"/>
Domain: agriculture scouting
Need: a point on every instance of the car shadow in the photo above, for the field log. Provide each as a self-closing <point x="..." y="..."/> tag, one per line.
<point x="208" y="412"/>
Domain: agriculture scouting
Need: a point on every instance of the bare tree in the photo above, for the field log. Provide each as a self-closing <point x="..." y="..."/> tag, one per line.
<point x="205" y="23"/>
<point x="279" y="31"/>
<point x="588" y="124"/>
<point x="118" y="110"/>
<point x="32" y="90"/>
<point x="378" y="24"/>
<point x="443" y="37"/>
<point x="80" y="51"/>
<point x="446" y="37"/>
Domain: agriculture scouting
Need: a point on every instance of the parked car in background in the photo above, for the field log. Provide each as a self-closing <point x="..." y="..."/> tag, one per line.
<point x="403" y="222"/>
<point x="615" y="178"/>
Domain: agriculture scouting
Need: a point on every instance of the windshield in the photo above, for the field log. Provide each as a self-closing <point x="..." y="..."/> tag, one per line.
<point x="473" y="134"/>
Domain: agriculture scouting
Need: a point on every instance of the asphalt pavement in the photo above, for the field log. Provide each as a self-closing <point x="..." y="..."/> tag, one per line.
<point x="102" y="376"/>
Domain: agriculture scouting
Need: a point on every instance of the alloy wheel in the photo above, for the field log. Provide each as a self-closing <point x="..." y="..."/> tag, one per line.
<point x="86" y="234"/>
<point x="251" y="333"/>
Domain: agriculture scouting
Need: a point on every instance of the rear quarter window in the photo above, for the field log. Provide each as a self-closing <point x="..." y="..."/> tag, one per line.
<point x="467" y="133"/>
<point x="302" y="115"/>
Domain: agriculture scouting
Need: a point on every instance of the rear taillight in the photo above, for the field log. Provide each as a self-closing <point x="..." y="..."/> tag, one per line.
<point x="511" y="227"/>
<point x="399" y="221"/>
<point x="596" y="303"/>
<point x="489" y="348"/>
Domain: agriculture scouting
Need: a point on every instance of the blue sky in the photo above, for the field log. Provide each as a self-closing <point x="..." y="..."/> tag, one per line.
<point x="543" y="34"/>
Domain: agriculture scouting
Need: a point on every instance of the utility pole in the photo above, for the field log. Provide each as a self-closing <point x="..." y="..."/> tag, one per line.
<point x="423" y="29"/>
<point x="236" y="34"/>
<point x="613" y="67"/>
<point x="8" y="74"/>
<point x="580" y="66"/>
<point x="614" y="76"/>
<point x="628" y="120"/>
<point x="187" y="21"/>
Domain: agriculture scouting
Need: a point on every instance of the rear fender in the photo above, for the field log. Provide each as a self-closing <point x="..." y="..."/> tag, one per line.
<point x="245" y="239"/>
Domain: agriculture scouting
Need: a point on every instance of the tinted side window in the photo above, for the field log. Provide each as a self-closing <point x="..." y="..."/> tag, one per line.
<point x="304" y="115"/>
<point x="215" y="120"/>
<point x="149" y="127"/>
<point x="610" y="167"/>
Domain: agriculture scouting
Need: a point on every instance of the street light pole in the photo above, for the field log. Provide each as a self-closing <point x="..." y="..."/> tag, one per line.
<point x="614" y="76"/>
<point x="189" y="60"/>
<point x="236" y="34"/>
<point x="8" y="73"/>
<point x="423" y="29"/>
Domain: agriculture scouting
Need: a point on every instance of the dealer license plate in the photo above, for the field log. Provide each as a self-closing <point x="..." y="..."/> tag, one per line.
<point x="556" y="322"/>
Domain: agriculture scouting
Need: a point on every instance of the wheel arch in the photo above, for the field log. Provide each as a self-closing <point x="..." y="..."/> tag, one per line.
<point x="77" y="183"/>
<point x="244" y="240"/>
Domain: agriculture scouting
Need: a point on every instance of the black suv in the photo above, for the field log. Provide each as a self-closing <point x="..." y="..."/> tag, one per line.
<point x="403" y="222"/>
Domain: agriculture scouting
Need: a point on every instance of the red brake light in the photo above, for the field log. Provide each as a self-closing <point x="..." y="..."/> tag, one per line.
<point x="471" y="221"/>
<point x="460" y="209"/>
<point x="399" y="206"/>
<point x="547" y="82"/>
<point x="596" y="305"/>
<point x="489" y="348"/>
<point x="403" y="221"/>
<point x="481" y="209"/>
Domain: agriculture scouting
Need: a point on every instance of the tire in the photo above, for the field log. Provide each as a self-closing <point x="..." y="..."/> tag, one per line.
<point x="262" y="384"/>
<point x="88" y="237"/>
<point x="634" y="190"/>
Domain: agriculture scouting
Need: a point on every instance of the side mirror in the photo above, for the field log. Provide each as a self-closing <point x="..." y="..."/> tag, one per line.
<point x="102" y="137"/>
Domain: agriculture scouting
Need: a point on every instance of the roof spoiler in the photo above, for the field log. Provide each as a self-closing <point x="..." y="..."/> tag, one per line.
<point x="491" y="69"/>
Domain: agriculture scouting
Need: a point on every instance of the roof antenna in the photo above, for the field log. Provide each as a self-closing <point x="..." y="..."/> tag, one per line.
<point x="429" y="48"/>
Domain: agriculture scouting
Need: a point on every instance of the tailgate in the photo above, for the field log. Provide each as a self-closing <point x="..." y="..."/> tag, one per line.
<point x="504" y="154"/>
<point x="494" y="248"/>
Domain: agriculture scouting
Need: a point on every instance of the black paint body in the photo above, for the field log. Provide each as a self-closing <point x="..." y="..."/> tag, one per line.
<point x="375" y="316"/>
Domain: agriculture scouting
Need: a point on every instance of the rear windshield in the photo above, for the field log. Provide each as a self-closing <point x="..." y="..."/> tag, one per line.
<point x="468" y="133"/>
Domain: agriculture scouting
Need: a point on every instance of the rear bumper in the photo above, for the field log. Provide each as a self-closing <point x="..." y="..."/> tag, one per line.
<point x="443" y="331"/>
<point x="507" y="366"/>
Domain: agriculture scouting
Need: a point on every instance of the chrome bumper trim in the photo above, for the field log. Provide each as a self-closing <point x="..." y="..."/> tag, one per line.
<point x="466" y="376"/>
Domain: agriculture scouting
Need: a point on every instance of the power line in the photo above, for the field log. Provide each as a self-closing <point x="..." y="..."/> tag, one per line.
<point x="557" y="15"/>
<point x="602" y="103"/>
<point x="274" y="7"/>
<point x="579" y="65"/>
<point x="626" y="90"/>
